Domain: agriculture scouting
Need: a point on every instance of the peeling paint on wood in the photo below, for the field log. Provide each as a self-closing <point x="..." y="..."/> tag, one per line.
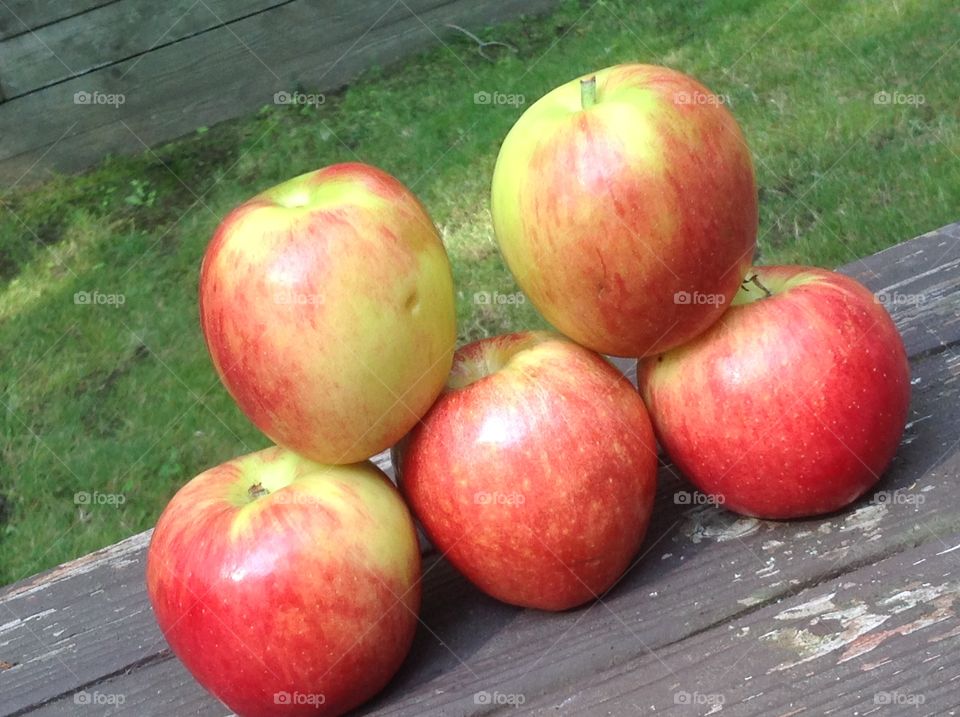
<point x="861" y="599"/>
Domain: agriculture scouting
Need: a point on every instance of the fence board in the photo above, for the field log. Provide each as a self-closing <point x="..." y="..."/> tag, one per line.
<point x="107" y="35"/>
<point x="19" y="16"/>
<point x="225" y="72"/>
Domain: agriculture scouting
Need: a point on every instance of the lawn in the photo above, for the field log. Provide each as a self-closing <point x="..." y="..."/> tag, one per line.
<point x="106" y="409"/>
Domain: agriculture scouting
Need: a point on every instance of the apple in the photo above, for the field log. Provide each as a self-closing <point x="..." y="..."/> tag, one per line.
<point x="625" y="205"/>
<point x="793" y="403"/>
<point x="287" y="587"/>
<point x="534" y="473"/>
<point x="327" y="306"/>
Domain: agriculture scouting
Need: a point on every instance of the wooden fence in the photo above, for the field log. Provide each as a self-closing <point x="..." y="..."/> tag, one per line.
<point x="83" y="78"/>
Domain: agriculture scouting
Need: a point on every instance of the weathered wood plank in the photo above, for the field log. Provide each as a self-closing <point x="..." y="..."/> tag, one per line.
<point x="707" y="569"/>
<point x="881" y="640"/>
<point x="916" y="280"/>
<point x="46" y="625"/>
<point x="661" y="600"/>
<point x="19" y="16"/>
<point x="107" y="35"/>
<point x="703" y="568"/>
<point x="73" y="625"/>
<point x="163" y="687"/>
<point x="320" y="46"/>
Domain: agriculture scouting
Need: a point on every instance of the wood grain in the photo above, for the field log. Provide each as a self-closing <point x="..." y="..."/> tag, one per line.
<point x="225" y="72"/>
<point x="22" y="16"/>
<point x="110" y="34"/>
<point x="916" y="281"/>
<point x="880" y="640"/>
<point x="704" y="576"/>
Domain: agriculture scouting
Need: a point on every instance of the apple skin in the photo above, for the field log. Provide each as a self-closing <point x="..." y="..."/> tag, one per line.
<point x="311" y="589"/>
<point x="605" y="214"/>
<point x="534" y="473"/>
<point x="327" y="306"/>
<point x="791" y="405"/>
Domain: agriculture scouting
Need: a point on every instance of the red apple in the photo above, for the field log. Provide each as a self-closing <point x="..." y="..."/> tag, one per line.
<point x="327" y="305"/>
<point x="625" y="205"/>
<point x="535" y="471"/>
<point x="792" y="404"/>
<point x="287" y="588"/>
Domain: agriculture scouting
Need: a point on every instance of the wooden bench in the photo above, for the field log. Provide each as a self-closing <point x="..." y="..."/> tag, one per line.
<point x="82" y="79"/>
<point x="851" y="614"/>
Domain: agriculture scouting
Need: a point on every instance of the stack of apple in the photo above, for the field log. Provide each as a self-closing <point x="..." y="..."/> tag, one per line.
<point x="624" y="203"/>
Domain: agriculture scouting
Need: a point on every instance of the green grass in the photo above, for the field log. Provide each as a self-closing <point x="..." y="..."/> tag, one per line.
<point x="123" y="399"/>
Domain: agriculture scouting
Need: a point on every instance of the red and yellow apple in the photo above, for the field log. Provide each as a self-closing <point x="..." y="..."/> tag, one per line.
<point x="793" y="403"/>
<point x="534" y="473"/>
<point x="287" y="587"/>
<point x="327" y="306"/>
<point x="625" y="205"/>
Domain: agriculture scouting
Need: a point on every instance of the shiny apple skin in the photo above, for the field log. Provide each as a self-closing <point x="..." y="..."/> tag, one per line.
<point x="537" y="480"/>
<point x="607" y="216"/>
<point x="311" y="591"/>
<point x="790" y="406"/>
<point x="327" y="306"/>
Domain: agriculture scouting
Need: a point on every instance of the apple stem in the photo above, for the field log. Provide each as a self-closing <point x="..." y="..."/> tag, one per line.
<point x="588" y="92"/>
<point x="257" y="491"/>
<point x="755" y="279"/>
